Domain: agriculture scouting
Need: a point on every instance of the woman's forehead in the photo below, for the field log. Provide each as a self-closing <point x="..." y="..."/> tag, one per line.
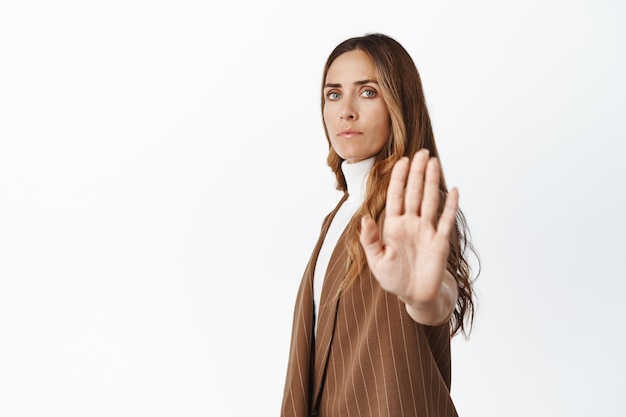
<point x="354" y="65"/>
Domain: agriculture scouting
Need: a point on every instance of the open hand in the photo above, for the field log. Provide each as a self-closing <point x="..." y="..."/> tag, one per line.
<point x="410" y="258"/>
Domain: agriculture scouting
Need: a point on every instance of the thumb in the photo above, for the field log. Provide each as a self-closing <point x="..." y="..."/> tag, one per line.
<point x="370" y="238"/>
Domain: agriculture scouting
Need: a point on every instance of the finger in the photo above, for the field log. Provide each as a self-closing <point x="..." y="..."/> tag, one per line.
<point x="430" y="201"/>
<point x="370" y="239"/>
<point x="448" y="215"/>
<point x="395" y="191"/>
<point x="415" y="183"/>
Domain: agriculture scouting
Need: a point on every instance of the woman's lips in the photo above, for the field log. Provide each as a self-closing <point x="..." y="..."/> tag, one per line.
<point x="349" y="133"/>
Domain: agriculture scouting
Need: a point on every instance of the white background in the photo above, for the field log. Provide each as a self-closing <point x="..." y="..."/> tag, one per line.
<point x="163" y="180"/>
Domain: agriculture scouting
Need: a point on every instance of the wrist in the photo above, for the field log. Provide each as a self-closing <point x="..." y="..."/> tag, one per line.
<point x="438" y="310"/>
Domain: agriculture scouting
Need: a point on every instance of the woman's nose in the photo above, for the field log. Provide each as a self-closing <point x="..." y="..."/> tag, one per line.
<point x="348" y="112"/>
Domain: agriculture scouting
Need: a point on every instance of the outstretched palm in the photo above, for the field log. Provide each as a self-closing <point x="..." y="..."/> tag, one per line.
<point x="410" y="257"/>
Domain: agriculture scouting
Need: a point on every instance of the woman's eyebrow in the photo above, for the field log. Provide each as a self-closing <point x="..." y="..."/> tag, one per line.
<point x="366" y="82"/>
<point x="362" y="82"/>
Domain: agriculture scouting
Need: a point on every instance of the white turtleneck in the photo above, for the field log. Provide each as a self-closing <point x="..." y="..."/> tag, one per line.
<point x="356" y="180"/>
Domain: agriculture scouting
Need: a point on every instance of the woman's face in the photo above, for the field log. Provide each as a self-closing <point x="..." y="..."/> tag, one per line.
<point x="355" y="114"/>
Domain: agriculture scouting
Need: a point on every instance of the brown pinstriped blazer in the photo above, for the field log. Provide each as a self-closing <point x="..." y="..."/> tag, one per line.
<point x="368" y="358"/>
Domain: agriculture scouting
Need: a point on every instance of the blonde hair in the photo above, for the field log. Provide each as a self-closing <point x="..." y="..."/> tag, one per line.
<point x="411" y="130"/>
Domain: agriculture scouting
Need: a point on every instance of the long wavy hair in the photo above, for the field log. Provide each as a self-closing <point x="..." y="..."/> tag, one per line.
<point x="411" y="130"/>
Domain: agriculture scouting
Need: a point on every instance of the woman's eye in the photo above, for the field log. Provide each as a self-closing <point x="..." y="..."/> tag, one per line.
<point x="368" y="93"/>
<point x="333" y="95"/>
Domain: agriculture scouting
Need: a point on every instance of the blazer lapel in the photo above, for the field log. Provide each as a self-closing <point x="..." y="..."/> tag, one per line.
<point x="328" y="313"/>
<point x="298" y="385"/>
<point x="329" y="302"/>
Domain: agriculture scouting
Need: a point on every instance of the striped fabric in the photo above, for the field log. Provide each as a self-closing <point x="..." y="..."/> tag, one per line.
<point x="369" y="358"/>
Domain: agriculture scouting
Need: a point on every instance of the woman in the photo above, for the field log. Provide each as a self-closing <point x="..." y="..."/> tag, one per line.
<point x="388" y="283"/>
